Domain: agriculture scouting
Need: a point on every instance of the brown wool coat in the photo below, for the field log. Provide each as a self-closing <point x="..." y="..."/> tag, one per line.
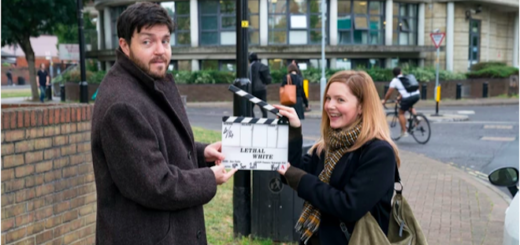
<point x="151" y="177"/>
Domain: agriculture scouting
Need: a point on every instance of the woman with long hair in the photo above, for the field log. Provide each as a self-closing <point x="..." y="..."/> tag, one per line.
<point x="350" y="170"/>
<point x="296" y="79"/>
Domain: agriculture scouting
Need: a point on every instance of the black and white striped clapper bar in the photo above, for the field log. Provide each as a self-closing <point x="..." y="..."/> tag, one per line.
<point x="255" y="143"/>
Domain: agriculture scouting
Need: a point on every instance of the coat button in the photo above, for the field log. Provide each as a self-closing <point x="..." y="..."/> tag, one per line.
<point x="189" y="154"/>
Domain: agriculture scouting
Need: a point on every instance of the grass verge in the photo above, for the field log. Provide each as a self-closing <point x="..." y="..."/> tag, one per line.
<point x="12" y="93"/>
<point x="219" y="212"/>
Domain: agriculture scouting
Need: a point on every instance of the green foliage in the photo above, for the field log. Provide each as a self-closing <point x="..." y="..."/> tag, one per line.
<point x="74" y="76"/>
<point x="483" y="65"/>
<point x="203" y="77"/>
<point x="69" y="33"/>
<point x="494" y="72"/>
<point x="96" y="77"/>
<point x="277" y="75"/>
<point x="447" y="75"/>
<point x="380" y="74"/>
<point x="22" y="19"/>
<point x="91" y="65"/>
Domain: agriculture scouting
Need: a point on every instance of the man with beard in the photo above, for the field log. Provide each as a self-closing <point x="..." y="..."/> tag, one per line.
<point x="151" y="177"/>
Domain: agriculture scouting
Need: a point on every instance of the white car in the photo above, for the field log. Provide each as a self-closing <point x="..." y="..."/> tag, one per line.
<point x="508" y="177"/>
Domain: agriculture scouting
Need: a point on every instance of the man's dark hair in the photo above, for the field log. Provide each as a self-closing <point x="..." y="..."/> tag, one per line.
<point x="139" y="15"/>
<point x="253" y="57"/>
<point x="396" y="71"/>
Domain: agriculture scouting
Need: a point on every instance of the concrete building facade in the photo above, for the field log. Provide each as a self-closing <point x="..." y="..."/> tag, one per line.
<point x="383" y="33"/>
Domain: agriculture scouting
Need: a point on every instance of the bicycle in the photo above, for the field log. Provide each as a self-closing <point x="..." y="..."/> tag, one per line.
<point x="418" y="125"/>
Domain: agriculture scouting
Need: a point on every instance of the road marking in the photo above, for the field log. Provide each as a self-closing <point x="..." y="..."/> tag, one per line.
<point x="480" y="122"/>
<point x="498" y="126"/>
<point x="498" y="138"/>
<point x="466" y="112"/>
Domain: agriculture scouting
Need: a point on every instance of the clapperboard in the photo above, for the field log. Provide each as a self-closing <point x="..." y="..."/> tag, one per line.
<point x="255" y="143"/>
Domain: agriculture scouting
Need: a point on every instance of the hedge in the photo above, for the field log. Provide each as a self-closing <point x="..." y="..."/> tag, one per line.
<point x="423" y="74"/>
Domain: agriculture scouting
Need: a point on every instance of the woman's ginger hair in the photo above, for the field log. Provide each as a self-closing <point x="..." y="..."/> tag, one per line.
<point x="373" y="116"/>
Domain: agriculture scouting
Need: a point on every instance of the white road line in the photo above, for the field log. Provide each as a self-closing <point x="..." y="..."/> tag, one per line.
<point x="483" y="122"/>
<point x="466" y="112"/>
<point x="498" y="126"/>
<point x="498" y="138"/>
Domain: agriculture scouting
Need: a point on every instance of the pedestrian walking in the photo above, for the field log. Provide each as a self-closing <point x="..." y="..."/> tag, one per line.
<point x="43" y="80"/>
<point x="9" y="75"/>
<point x="260" y="77"/>
<point x="301" y="99"/>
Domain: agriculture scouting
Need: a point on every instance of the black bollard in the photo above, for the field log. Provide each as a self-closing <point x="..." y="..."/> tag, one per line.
<point x="48" y="92"/>
<point x="424" y="91"/>
<point x="485" y="90"/>
<point x="458" y="91"/>
<point x="62" y="92"/>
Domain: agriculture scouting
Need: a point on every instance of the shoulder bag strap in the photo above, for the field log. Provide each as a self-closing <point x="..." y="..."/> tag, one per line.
<point x="289" y="80"/>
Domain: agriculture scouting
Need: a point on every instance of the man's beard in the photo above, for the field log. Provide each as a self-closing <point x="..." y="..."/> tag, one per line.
<point x="146" y="68"/>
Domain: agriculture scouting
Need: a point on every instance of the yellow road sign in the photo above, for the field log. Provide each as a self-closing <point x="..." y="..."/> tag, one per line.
<point x="245" y="24"/>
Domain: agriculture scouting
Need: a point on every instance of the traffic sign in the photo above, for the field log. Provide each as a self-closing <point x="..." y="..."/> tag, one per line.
<point x="437" y="38"/>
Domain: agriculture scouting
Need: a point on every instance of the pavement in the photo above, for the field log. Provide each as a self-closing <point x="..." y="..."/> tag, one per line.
<point x="452" y="206"/>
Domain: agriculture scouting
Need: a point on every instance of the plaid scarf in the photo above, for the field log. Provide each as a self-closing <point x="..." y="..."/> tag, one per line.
<point x="339" y="142"/>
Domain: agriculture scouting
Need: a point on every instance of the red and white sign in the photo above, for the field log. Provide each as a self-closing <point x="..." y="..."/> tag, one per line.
<point x="437" y="38"/>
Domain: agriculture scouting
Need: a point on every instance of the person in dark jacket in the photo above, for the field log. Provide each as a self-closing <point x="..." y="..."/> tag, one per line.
<point x="152" y="178"/>
<point x="260" y="78"/>
<point x="43" y="80"/>
<point x="350" y="170"/>
<point x="301" y="99"/>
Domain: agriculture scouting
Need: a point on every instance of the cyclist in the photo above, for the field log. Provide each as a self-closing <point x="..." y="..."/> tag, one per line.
<point x="408" y="95"/>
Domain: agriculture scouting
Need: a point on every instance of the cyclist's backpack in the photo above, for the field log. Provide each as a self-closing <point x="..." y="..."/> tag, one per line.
<point x="409" y="83"/>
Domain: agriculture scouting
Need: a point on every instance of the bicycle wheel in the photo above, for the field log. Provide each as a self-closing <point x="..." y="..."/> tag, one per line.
<point x="422" y="131"/>
<point x="393" y="124"/>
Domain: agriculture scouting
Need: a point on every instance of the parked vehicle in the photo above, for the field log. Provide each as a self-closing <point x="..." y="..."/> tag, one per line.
<point x="508" y="177"/>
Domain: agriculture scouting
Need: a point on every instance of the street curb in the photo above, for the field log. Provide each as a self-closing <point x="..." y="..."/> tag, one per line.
<point x="443" y="118"/>
<point x="469" y="103"/>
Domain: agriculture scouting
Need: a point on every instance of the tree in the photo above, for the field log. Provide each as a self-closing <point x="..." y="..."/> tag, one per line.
<point x="23" y="19"/>
<point x="69" y="33"/>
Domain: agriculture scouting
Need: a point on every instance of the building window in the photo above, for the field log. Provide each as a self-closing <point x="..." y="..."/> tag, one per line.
<point x="404" y="62"/>
<point x="349" y="64"/>
<point x="180" y="65"/>
<point x="295" y="21"/>
<point x="115" y="12"/>
<point x="221" y="65"/>
<point x="254" y="21"/>
<point x="405" y="24"/>
<point x="474" y="42"/>
<point x="217" y="23"/>
<point x="360" y="22"/>
<point x="180" y="13"/>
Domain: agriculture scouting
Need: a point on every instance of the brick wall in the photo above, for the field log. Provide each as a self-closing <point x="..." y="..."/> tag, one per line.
<point x="48" y="190"/>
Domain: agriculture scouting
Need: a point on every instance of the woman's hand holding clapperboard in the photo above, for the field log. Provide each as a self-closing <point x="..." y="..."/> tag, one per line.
<point x="294" y="122"/>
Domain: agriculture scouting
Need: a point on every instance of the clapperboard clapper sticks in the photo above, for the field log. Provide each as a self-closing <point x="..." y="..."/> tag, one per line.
<point x="255" y="143"/>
